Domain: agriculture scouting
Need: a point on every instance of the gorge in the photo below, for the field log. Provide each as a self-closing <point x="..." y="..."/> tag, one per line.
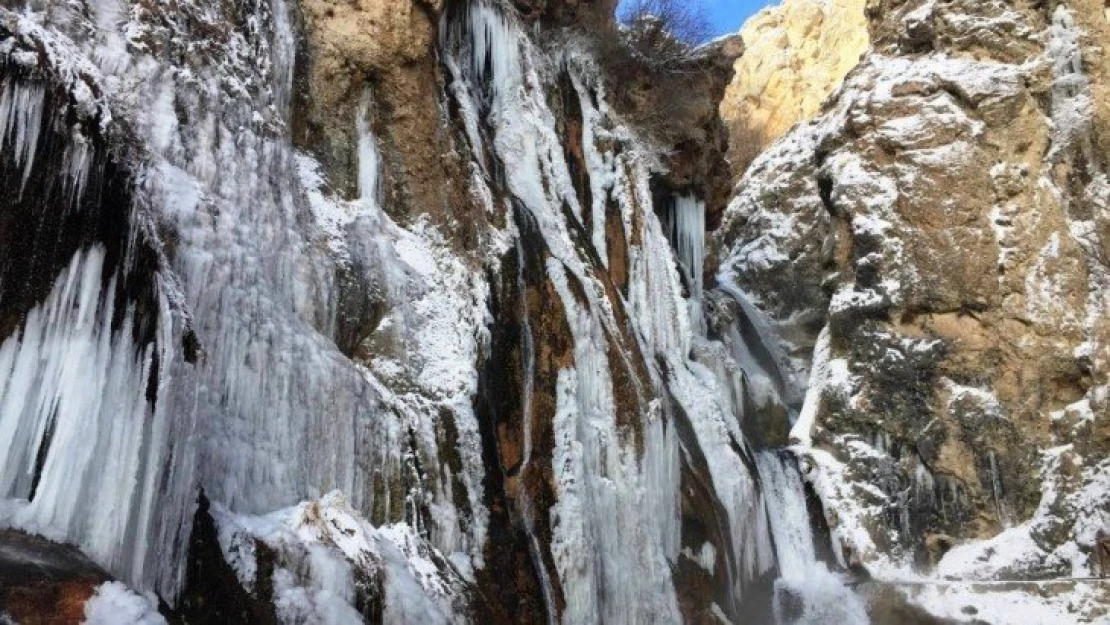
<point x="447" y="311"/>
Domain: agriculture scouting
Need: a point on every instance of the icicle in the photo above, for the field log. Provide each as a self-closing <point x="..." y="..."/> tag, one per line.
<point x="687" y="222"/>
<point x="495" y="57"/>
<point x="21" y="110"/>
<point x="76" y="166"/>
<point x="368" y="157"/>
<point x="996" y="485"/>
<point x="687" y="226"/>
<point x="528" y="353"/>
<point x="86" y="451"/>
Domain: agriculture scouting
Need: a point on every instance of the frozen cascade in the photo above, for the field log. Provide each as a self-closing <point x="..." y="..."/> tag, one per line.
<point x="612" y="561"/>
<point x="606" y="572"/>
<point x="686" y="217"/>
<point x="284" y="414"/>
<point x="786" y="505"/>
<point x="90" y="458"/>
<point x="281" y="414"/>
<point x="759" y="352"/>
<point x="807" y="592"/>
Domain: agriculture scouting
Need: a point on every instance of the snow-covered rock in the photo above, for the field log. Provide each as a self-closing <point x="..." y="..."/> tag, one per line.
<point x="941" y="219"/>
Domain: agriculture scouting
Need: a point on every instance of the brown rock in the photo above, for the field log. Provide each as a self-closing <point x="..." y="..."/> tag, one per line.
<point x="949" y="218"/>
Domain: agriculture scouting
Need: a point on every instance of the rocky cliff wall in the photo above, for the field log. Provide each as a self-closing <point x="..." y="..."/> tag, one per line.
<point x="796" y="54"/>
<point x="944" y="222"/>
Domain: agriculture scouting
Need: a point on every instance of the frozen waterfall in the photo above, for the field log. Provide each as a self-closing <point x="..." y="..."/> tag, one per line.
<point x="686" y="222"/>
<point x="227" y="372"/>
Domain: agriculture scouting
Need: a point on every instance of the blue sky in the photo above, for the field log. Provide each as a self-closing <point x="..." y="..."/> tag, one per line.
<point x="729" y="15"/>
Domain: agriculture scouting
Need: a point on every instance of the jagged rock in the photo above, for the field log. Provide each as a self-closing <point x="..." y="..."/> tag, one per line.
<point x="945" y="213"/>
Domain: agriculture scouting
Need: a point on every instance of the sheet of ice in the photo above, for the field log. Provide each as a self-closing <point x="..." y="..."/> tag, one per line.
<point x="786" y="505"/>
<point x="611" y="561"/>
<point x="90" y="458"/>
<point x="281" y="413"/>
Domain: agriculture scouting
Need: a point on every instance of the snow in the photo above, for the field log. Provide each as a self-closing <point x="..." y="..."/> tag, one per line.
<point x="323" y="549"/>
<point x="706" y="557"/>
<point x="1030" y="603"/>
<point x="1017" y="549"/>
<point x="828" y="375"/>
<point x="114" y="603"/>
<point x="1045" y="287"/>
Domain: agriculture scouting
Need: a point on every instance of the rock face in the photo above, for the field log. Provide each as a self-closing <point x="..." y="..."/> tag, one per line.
<point x="41" y="582"/>
<point x="796" y="54"/>
<point x="392" y="311"/>
<point x="945" y="222"/>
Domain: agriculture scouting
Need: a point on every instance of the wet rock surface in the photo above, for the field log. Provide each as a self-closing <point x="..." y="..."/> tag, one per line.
<point x="43" y="582"/>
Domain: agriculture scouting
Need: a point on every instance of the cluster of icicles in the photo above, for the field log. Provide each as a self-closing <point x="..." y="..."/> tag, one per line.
<point x="273" y="414"/>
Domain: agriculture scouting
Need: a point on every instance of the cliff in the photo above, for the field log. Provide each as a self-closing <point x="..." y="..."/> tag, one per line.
<point x="409" y="311"/>
<point x="796" y="54"/>
<point x="939" y="234"/>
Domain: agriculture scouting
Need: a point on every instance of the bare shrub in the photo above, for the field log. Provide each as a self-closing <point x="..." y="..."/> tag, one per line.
<point x="652" y="63"/>
<point x="664" y="32"/>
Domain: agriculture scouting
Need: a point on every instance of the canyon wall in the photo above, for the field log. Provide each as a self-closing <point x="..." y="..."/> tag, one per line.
<point x="937" y="239"/>
<point x="409" y="311"/>
<point x="796" y="54"/>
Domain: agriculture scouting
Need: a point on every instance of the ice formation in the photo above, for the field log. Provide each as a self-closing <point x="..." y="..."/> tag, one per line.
<point x="280" y="413"/>
<point x="89" y="455"/>
<point x="242" y="389"/>
<point x="601" y="484"/>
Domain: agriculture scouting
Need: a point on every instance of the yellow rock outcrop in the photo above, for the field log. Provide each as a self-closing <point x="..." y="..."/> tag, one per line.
<point x="796" y="54"/>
